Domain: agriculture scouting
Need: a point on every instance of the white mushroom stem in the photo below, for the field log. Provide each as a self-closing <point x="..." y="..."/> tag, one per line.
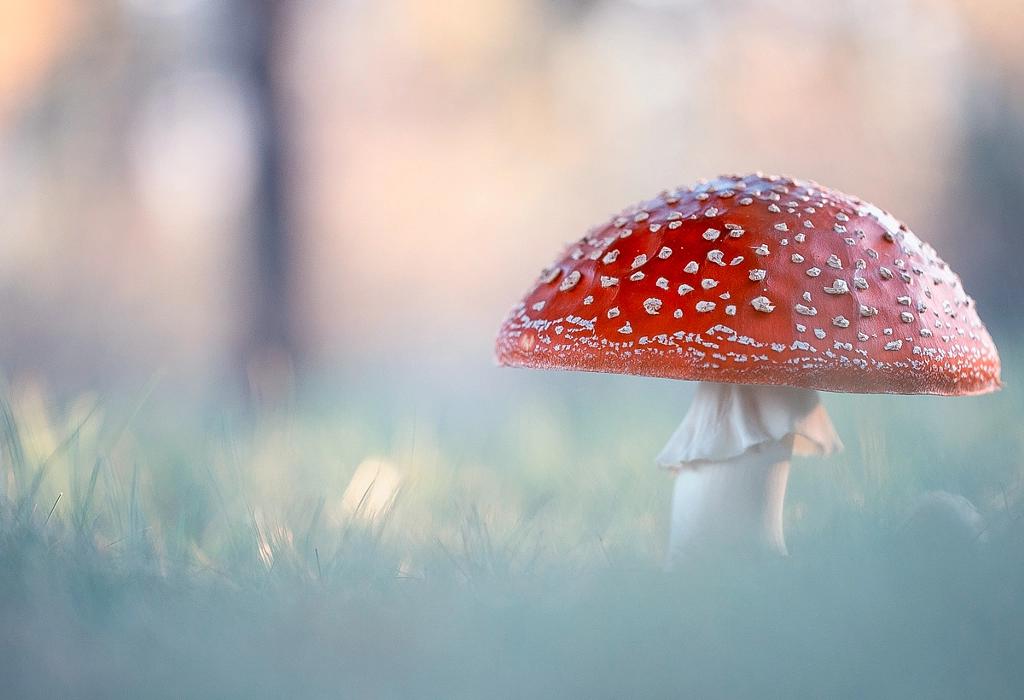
<point x="731" y="456"/>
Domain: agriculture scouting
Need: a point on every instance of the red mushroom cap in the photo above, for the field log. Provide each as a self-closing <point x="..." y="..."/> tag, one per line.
<point x="756" y="280"/>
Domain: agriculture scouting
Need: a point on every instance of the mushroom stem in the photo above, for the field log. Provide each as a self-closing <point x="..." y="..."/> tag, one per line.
<point x="731" y="456"/>
<point x="738" y="501"/>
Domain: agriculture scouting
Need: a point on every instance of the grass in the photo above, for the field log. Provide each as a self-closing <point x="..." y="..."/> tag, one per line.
<point x="498" y="536"/>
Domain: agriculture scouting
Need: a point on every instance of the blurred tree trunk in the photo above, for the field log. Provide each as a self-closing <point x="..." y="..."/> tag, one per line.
<point x="267" y="351"/>
<point x="991" y="221"/>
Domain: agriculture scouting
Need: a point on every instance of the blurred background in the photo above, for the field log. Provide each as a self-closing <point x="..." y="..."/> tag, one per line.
<point x="323" y="209"/>
<point x="229" y="189"/>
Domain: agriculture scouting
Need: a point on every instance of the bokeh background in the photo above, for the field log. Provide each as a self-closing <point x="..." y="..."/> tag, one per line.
<point x="252" y="443"/>
<point x="224" y="188"/>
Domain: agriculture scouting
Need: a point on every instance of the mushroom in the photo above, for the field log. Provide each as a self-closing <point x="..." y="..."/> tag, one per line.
<point x="803" y="289"/>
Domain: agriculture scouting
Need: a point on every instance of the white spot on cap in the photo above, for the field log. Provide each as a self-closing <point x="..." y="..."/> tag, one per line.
<point x="539" y="306"/>
<point x="907" y="317"/>
<point x="807" y="222"/>
<point x="639" y="260"/>
<point x="868" y="311"/>
<point x="705" y="306"/>
<point x="626" y="329"/>
<point x="797" y="258"/>
<point x="610" y="257"/>
<point x="708" y="283"/>
<point x="730" y="310"/>
<point x="715" y="256"/>
<point x="781" y="227"/>
<point x="806" y="310"/>
<point x="613" y="312"/>
<point x="588" y="300"/>
<point x="678" y="313"/>
<point x="894" y="345"/>
<point x="814" y="272"/>
<point x="925" y="333"/>
<point x="801" y="327"/>
<point x="642" y="216"/>
<point x="712" y="234"/>
<point x="819" y="334"/>
<point x="761" y="250"/>
<point x="609" y="281"/>
<point x="637" y="276"/>
<point x="885" y="273"/>
<point x="799" y="238"/>
<point x="711" y="212"/>
<point x="664" y="252"/>
<point x="763" y="304"/>
<point x="758" y="275"/>
<point x="905" y="301"/>
<point x="862" y="337"/>
<point x="737" y="260"/>
<point x="652" y="305"/>
<point x="860" y="283"/>
<point x="838" y="287"/>
<point x="834" y="261"/>
<point x="662" y="282"/>
<point x="684" y="289"/>
<point x="774" y="208"/>
<point x="570" y="281"/>
<point x="841" y="322"/>
<point x="746" y="201"/>
<point x="549" y="274"/>
<point x="691" y="267"/>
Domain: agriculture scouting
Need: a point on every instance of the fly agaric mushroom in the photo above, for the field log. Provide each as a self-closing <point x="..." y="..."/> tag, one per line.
<point x="766" y="290"/>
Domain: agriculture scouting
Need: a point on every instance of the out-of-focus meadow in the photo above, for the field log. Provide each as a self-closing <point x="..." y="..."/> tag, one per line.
<point x="252" y="257"/>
